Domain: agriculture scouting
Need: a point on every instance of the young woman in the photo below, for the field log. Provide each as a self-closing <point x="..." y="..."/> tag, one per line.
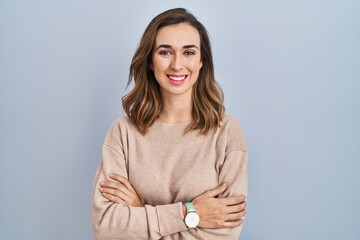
<point x="175" y="167"/>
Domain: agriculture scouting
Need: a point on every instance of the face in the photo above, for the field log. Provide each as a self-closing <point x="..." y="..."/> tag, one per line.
<point x="176" y="59"/>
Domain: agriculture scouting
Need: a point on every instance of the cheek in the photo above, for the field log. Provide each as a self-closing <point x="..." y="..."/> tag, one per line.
<point x="195" y="65"/>
<point x="159" y="64"/>
<point x="160" y="67"/>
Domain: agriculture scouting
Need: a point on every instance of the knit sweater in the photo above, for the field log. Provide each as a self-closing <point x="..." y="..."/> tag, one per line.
<point x="167" y="168"/>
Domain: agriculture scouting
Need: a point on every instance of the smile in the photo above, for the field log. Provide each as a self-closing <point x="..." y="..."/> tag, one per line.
<point x="177" y="77"/>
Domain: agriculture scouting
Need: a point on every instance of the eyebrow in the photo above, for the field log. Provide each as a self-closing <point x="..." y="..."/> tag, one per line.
<point x="169" y="46"/>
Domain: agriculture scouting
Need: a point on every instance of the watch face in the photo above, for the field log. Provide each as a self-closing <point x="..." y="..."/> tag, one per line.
<point x="192" y="219"/>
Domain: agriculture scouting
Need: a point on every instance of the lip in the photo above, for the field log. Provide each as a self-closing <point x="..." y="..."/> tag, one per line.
<point x="176" y="82"/>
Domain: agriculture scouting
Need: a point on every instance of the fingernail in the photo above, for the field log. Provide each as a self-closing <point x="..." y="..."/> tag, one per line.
<point x="111" y="175"/>
<point x="224" y="184"/>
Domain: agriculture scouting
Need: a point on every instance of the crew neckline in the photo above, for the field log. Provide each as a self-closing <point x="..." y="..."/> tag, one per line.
<point x="172" y="133"/>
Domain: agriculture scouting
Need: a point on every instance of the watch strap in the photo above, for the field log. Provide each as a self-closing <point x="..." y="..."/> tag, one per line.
<point x="190" y="207"/>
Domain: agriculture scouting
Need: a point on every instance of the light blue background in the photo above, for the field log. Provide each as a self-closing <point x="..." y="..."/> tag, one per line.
<point x="290" y="71"/>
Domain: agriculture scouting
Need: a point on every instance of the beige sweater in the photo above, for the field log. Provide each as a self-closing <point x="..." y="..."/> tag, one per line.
<point x="167" y="168"/>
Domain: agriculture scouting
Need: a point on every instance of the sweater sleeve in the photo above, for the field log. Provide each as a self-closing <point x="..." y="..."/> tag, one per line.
<point x="234" y="172"/>
<point x="113" y="221"/>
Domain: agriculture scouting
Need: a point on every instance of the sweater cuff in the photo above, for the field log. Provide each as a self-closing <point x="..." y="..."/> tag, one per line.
<point x="171" y="218"/>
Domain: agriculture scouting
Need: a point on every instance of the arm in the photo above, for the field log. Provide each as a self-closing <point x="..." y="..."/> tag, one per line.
<point x="234" y="172"/>
<point x="215" y="212"/>
<point x="116" y="221"/>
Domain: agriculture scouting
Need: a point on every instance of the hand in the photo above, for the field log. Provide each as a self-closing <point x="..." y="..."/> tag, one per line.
<point x="219" y="212"/>
<point x="120" y="191"/>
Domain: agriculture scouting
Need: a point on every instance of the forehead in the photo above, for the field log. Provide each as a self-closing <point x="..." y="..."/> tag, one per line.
<point x="178" y="35"/>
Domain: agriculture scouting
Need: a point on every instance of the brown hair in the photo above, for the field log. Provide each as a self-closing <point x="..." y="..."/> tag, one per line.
<point x="143" y="103"/>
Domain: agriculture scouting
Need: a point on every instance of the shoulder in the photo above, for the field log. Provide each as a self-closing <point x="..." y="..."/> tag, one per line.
<point x="119" y="129"/>
<point x="235" y="138"/>
<point x="231" y="124"/>
<point x="230" y="121"/>
<point x="122" y="124"/>
<point x="123" y="121"/>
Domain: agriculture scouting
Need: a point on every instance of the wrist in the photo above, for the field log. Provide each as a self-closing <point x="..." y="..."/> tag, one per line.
<point x="184" y="210"/>
<point x="192" y="219"/>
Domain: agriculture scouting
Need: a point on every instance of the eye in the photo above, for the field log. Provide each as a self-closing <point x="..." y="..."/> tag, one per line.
<point x="165" y="52"/>
<point x="189" y="53"/>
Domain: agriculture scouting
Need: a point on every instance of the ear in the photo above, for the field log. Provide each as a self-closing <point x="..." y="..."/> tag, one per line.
<point x="201" y="63"/>
<point x="151" y="66"/>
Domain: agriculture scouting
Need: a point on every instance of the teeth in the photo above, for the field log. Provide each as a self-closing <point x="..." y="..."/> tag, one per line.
<point x="177" y="78"/>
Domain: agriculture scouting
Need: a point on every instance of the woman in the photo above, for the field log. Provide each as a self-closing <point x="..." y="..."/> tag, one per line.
<point x="175" y="166"/>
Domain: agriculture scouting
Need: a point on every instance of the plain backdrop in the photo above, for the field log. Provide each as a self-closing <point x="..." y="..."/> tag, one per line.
<point x="290" y="71"/>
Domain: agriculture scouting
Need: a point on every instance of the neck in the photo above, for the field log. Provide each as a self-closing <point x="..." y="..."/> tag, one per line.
<point x="176" y="109"/>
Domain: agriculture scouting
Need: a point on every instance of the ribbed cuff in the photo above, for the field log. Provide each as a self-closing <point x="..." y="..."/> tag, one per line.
<point x="171" y="218"/>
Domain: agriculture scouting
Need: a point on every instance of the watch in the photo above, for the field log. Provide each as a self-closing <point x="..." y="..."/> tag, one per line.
<point x="192" y="219"/>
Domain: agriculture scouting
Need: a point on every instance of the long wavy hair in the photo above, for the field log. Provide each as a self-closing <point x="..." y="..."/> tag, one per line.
<point x="143" y="103"/>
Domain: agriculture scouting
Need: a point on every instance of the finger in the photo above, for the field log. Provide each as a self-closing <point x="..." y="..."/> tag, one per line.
<point x="236" y="208"/>
<point x="233" y="224"/>
<point x="122" y="179"/>
<point x="117" y="186"/>
<point x="235" y="216"/>
<point x="216" y="191"/>
<point x="233" y="200"/>
<point x="116" y="193"/>
<point x="114" y="199"/>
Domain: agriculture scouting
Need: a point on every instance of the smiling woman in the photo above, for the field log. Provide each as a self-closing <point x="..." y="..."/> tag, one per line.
<point x="175" y="167"/>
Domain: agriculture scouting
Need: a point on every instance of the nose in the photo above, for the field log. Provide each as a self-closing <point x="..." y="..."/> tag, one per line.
<point x="177" y="63"/>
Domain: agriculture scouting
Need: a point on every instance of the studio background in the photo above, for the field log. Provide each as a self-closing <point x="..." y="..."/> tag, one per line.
<point x="290" y="71"/>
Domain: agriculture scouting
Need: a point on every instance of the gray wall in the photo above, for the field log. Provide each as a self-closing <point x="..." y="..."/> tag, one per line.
<point x="290" y="71"/>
